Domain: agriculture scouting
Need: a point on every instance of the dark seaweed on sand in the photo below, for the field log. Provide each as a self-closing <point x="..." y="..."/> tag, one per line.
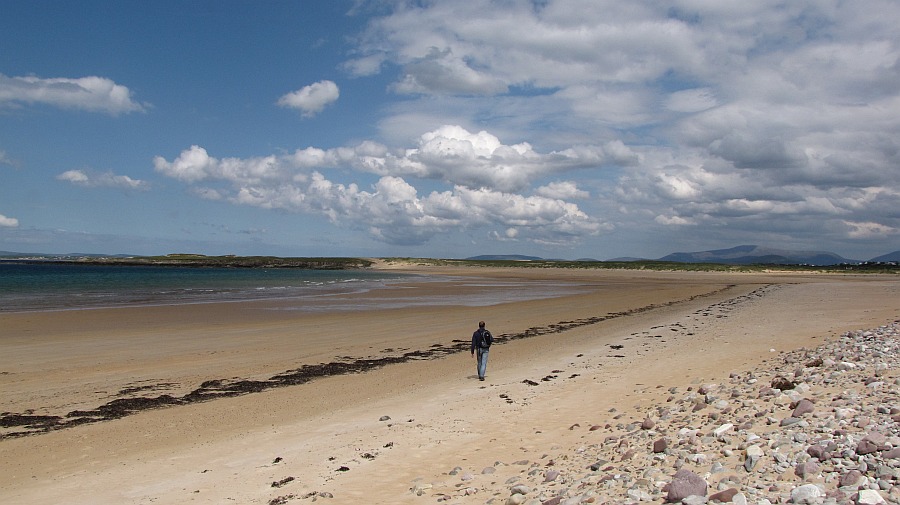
<point x="223" y="388"/>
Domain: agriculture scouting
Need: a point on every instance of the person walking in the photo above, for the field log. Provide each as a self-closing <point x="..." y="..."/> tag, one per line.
<point x="481" y="344"/>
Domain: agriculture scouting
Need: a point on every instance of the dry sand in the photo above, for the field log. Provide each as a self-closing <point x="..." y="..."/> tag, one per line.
<point x="619" y="343"/>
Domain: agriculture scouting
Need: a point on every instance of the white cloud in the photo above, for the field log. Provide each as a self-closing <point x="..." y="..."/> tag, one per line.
<point x="485" y="175"/>
<point x="311" y="99"/>
<point x="8" y="222"/>
<point x="870" y="230"/>
<point x="732" y="119"/>
<point x="94" y="94"/>
<point x="105" y="180"/>
<point x="735" y="115"/>
<point x="450" y="153"/>
<point x="674" y="221"/>
<point x="440" y="72"/>
<point x="564" y="190"/>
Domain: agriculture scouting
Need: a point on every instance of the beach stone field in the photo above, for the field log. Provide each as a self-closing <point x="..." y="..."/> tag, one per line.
<point x="810" y="426"/>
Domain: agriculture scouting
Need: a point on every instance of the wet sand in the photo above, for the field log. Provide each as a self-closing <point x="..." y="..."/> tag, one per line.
<point x="300" y="394"/>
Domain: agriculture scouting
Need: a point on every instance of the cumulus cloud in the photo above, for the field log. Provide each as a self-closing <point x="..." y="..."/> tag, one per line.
<point x="450" y="154"/>
<point x="488" y="179"/>
<point x="93" y="94"/>
<point x="728" y="114"/>
<point x="107" y="180"/>
<point x="8" y="222"/>
<point x="312" y="99"/>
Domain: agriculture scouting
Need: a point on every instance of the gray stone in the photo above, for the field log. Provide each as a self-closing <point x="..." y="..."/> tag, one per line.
<point x="520" y="489"/>
<point x="551" y="475"/>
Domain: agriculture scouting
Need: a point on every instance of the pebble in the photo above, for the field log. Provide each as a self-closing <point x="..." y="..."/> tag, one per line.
<point x="811" y="426"/>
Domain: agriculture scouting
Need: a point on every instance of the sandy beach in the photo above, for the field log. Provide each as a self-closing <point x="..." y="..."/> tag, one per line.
<point x="409" y="409"/>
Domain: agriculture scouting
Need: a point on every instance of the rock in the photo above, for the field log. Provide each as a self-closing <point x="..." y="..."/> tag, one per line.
<point x="694" y="500"/>
<point x="782" y="383"/>
<point x="685" y="483"/>
<point x="804" y="406"/>
<point x="488" y="470"/>
<point x="753" y="455"/>
<point x="647" y="424"/>
<point x="876" y="438"/>
<point x="869" y="497"/>
<point x="721" y="431"/>
<point x="866" y="446"/>
<point x="551" y="475"/>
<point x="808" y="469"/>
<point x="807" y="494"/>
<point x="724" y="496"/>
<point x="638" y="494"/>
<point x="818" y="452"/>
<point x="660" y="446"/>
<point x="892" y="453"/>
<point x="520" y="489"/>
<point x="516" y="499"/>
<point x="852" y="478"/>
<point x="384" y="418"/>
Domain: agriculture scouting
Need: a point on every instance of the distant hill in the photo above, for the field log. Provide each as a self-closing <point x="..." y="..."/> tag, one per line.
<point x="10" y="254"/>
<point x="504" y="257"/>
<point x="884" y="258"/>
<point x="752" y="254"/>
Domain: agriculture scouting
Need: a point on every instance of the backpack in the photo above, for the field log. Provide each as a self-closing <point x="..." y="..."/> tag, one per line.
<point x="486" y="339"/>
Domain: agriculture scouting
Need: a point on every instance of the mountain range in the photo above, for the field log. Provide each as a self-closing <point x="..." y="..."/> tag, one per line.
<point x="740" y="255"/>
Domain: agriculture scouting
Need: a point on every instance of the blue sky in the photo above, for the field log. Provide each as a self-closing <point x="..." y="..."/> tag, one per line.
<point x="558" y="128"/>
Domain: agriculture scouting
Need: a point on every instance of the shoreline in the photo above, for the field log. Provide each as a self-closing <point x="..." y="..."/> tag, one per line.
<point x="134" y="400"/>
<point x="159" y="455"/>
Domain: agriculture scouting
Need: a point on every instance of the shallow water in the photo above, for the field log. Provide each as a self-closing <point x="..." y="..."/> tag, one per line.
<point x="48" y="286"/>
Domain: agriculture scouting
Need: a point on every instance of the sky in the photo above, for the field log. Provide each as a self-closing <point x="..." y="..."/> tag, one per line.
<point x="555" y="128"/>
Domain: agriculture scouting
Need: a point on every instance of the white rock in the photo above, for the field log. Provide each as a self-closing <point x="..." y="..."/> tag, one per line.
<point x="807" y="493"/>
<point x="516" y="499"/>
<point x="722" y="430"/>
<point x="869" y="497"/>
<point x="639" y="495"/>
<point x="754" y="451"/>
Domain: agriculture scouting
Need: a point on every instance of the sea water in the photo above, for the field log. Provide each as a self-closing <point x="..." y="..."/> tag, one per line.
<point x="54" y="286"/>
<point x="38" y="286"/>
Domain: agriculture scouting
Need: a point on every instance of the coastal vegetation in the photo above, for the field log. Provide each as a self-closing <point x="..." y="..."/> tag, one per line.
<point x="342" y="263"/>
<point x="653" y="265"/>
<point x="200" y="260"/>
